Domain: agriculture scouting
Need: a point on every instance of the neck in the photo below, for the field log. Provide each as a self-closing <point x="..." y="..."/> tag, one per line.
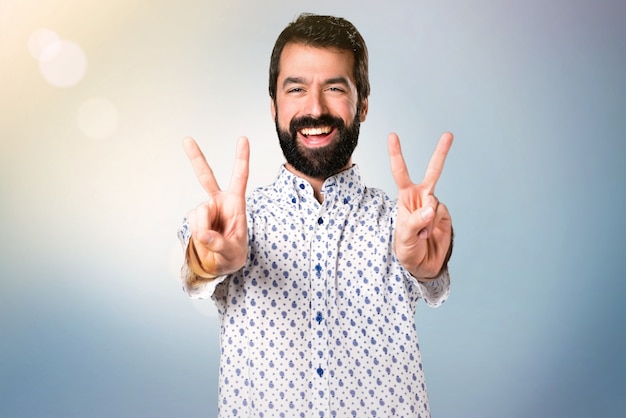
<point x="315" y="182"/>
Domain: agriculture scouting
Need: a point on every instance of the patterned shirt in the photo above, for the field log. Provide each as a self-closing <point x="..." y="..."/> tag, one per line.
<point x="320" y="320"/>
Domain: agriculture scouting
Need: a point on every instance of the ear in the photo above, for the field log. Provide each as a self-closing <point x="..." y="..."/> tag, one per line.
<point x="364" y="109"/>
<point x="273" y="108"/>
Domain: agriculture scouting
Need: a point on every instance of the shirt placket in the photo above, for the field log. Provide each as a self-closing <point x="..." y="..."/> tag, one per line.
<point x="320" y="270"/>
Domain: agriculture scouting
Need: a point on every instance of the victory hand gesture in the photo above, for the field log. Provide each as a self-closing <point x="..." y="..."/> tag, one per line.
<point x="423" y="235"/>
<point x="219" y="232"/>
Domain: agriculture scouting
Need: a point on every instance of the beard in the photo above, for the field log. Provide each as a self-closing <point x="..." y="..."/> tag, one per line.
<point x="325" y="161"/>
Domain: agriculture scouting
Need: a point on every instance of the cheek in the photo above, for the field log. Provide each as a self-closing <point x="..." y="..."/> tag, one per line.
<point x="345" y="109"/>
<point x="286" y="111"/>
<point x="284" y="115"/>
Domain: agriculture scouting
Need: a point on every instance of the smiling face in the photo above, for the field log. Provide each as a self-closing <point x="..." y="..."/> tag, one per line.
<point x="316" y="109"/>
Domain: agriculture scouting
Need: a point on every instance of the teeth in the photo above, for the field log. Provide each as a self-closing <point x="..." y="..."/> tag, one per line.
<point x="316" y="131"/>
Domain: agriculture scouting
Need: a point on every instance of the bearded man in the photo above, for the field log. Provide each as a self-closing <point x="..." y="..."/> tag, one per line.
<point x="316" y="277"/>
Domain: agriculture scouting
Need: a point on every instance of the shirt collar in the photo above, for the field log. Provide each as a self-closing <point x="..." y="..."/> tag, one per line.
<point x="346" y="186"/>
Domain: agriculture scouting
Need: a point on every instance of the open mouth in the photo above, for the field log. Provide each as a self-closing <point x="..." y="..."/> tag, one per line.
<point x="322" y="130"/>
<point x="317" y="136"/>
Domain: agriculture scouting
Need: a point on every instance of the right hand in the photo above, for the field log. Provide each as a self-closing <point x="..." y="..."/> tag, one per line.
<point x="219" y="232"/>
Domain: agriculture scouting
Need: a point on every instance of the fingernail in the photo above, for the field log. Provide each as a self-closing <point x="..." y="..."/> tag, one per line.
<point x="423" y="234"/>
<point x="428" y="213"/>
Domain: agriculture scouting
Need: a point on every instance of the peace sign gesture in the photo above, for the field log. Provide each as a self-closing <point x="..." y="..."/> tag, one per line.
<point x="423" y="235"/>
<point x="219" y="232"/>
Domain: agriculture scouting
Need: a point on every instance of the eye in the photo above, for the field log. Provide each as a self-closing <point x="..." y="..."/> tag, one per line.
<point x="295" y="90"/>
<point x="336" y="89"/>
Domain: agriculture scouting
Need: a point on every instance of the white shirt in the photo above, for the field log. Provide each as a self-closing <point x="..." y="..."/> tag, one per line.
<point x="320" y="320"/>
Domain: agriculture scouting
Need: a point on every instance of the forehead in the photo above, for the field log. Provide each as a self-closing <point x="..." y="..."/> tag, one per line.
<point x="300" y="60"/>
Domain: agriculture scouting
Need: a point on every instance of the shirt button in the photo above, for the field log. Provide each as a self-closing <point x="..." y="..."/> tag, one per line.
<point x="320" y="371"/>
<point x="319" y="318"/>
<point x="320" y="221"/>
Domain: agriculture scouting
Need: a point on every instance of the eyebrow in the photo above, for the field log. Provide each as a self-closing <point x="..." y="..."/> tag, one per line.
<point x="300" y="80"/>
<point x="338" y="80"/>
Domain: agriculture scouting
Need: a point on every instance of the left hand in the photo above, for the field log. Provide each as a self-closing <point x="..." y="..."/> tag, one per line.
<point x="423" y="233"/>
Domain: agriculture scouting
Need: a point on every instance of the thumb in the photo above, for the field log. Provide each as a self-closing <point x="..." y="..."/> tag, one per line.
<point x="417" y="224"/>
<point x="213" y="241"/>
<point x="426" y="215"/>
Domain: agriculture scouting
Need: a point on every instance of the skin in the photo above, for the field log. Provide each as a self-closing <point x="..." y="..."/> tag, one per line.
<point x="313" y="81"/>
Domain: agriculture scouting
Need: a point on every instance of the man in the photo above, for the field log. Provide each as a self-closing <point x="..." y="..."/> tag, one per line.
<point x="316" y="277"/>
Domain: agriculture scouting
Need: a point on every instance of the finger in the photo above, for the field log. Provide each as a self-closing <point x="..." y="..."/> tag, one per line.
<point x="418" y="222"/>
<point x="440" y="213"/>
<point x="440" y="234"/>
<point x="203" y="220"/>
<point x="191" y="221"/>
<point x="435" y="165"/>
<point x="200" y="166"/>
<point x="429" y="216"/>
<point x="239" y="179"/>
<point x="398" y="165"/>
<point x="199" y="223"/>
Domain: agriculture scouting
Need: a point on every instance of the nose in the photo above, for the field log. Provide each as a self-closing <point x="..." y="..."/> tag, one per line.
<point x="315" y="103"/>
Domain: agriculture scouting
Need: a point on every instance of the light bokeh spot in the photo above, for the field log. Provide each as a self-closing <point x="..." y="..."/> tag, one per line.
<point x="42" y="39"/>
<point x="62" y="63"/>
<point x="97" y="118"/>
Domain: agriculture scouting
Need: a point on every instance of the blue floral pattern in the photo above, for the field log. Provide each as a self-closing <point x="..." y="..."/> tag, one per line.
<point x="320" y="321"/>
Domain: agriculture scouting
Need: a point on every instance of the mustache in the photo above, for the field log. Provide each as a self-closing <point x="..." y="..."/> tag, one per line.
<point x="310" y="122"/>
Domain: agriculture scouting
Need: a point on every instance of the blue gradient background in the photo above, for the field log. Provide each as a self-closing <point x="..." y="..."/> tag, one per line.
<point x="92" y="319"/>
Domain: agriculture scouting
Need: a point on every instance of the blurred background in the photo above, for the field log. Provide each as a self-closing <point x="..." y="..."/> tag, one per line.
<point x="95" y="98"/>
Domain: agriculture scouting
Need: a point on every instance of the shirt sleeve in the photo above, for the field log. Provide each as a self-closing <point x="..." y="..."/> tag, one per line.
<point x="194" y="286"/>
<point x="435" y="292"/>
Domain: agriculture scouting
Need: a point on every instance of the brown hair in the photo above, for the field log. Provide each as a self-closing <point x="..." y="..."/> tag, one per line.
<point x="324" y="32"/>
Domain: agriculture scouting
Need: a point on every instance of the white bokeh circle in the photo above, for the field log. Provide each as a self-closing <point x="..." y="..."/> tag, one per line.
<point x="40" y="40"/>
<point x="62" y="63"/>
